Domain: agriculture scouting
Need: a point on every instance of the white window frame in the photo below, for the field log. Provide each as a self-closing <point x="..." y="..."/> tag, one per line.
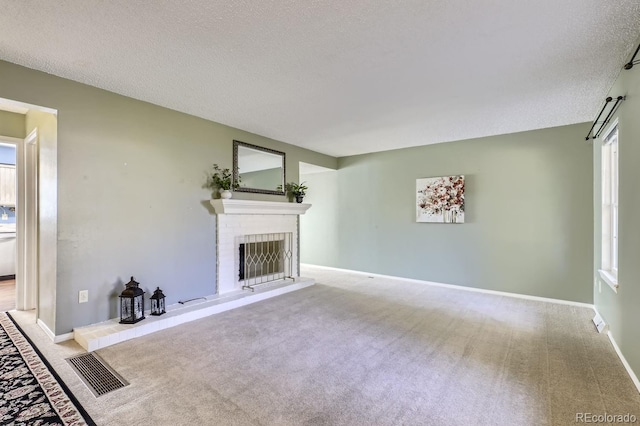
<point x="610" y="188"/>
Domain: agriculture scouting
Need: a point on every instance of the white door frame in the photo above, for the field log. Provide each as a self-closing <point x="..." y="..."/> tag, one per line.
<point x="28" y="257"/>
<point x="26" y="220"/>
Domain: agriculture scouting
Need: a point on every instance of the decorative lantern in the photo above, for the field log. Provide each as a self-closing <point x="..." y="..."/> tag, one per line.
<point x="131" y="303"/>
<point x="157" y="302"/>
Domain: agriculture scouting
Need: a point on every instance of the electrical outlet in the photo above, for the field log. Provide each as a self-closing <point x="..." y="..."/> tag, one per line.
<point x="83" y="296"/>
<point x="5" y="216"/>
<point x="599" y="286"/>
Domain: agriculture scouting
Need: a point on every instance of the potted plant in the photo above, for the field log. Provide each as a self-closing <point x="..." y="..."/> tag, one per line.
<point x="221" y="180"/>
<point x="295" y="190"/>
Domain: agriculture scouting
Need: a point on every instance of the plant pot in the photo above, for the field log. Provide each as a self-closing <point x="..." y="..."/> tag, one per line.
<point x="226" y="194"/>
<point x="299" y="198"/>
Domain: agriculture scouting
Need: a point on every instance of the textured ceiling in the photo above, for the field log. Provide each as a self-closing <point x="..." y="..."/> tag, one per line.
<point x="340" y="77"/>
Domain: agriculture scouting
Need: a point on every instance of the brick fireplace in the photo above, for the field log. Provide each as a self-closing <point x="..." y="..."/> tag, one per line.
<point x="236" y="219"/>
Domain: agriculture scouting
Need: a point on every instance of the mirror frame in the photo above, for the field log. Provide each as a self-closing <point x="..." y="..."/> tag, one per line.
<point x="236" y="145"/>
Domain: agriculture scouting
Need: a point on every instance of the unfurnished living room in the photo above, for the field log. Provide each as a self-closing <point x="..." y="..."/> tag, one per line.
<point x="319" y="213"/>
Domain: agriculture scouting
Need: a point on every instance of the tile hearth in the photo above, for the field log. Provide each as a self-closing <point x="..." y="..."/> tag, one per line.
<point x="111" y="332"/>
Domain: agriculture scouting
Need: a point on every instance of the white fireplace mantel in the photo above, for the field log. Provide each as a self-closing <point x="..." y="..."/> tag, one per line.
<point x="231" y="206"/>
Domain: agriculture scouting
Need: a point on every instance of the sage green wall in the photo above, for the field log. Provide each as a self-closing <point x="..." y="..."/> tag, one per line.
<point x="319" y="225"/>
<point x="528" y="214"/>
<point x="621" y="311"/>
<point x="129" y="193"/>
<point x="12" y="124"/>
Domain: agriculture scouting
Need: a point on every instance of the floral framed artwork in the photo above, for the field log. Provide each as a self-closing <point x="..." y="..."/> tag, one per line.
<point x="440" y="199"/>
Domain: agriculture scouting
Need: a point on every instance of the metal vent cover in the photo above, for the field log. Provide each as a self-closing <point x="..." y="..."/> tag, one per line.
<point x="99" y="377"/>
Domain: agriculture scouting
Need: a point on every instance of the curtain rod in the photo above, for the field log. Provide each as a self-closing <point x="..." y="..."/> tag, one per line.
<point x="606" y="120"/>
<point x="631" y="62"/>
<point x="619" y="99"/>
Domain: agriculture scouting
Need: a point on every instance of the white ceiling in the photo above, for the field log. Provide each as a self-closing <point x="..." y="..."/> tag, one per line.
<point x="340" y="77"/>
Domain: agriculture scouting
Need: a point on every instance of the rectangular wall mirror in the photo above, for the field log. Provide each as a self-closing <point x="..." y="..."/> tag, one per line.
<point x="258" y="169"/>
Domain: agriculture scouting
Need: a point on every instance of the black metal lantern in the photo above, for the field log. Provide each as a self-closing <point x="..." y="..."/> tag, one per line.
<point x="157" y="302"/>
<point x="131" y="303"/>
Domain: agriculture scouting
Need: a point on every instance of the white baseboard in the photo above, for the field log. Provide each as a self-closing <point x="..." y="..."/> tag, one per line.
<point x="46" y="329"/>
<point x="627" y="367"/>
<point x="63" y="337"/>
<point x="458" y="287"/>
<point x="633" y="376"/>
<point x="55" y="339"/>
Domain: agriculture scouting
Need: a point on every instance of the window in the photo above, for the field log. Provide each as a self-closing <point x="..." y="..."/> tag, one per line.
<point x="609" y="264"/>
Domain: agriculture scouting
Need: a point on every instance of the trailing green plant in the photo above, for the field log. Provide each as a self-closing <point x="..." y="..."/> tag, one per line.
<point x="221" y="179"/>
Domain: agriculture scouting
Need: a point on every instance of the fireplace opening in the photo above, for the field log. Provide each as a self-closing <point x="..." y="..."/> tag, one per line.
<point x="264" y="258"/>
<point x="260" y="259"/>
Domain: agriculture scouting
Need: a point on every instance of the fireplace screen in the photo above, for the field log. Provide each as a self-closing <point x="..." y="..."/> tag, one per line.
<point x="265" y="258"/>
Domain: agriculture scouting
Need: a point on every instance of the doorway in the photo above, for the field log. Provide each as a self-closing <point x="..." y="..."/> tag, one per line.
<point x="18" y="209"/>
<point x="18" y="222"/>
<point x="7" y="225"/>
<point x="319" y="226"/>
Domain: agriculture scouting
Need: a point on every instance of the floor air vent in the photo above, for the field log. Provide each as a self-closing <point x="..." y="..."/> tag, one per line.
<point x="96" y="374"/>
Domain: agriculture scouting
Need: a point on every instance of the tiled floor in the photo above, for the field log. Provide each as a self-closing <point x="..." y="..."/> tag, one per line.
<point x="7" y="295"/>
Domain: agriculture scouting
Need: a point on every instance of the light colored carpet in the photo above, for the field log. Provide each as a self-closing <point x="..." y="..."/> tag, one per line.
<point x="353" y="350"/>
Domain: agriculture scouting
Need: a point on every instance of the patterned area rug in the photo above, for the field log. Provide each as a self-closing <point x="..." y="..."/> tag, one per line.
<point x="31" y="392"/>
